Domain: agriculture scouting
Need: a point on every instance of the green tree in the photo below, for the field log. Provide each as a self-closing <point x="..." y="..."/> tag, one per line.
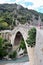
<point x="4" y="47"/>
<point x="22" y="44"/>
<point x="13" y="55"/>
<point x="31" y="40"/>
<point x="2" y="50"/>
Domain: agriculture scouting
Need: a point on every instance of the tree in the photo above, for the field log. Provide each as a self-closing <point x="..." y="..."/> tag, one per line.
<point x="4" y="47"/>
<point x="31" y="40"/>
<point x="22" y="44"/>
<point x="1" y="40"/>
<point x="13" y="55"/>
<point x="2" y="50"/>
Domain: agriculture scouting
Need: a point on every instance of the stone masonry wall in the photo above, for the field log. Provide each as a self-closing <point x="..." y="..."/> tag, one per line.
<point x="39" y="48"/>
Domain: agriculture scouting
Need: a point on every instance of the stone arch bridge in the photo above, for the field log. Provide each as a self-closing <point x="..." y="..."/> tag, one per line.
<point x="35" y="58"/>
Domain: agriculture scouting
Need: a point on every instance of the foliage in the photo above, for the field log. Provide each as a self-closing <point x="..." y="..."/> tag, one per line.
<point x="8" y="11"/>
<point x="13" y="55"/>
<point x="1" y="42"/>
<point x="4" y="48"/>
<point x="2" y="53"/>
<point x="31" y="40"/>
<point x="22" y="44"/>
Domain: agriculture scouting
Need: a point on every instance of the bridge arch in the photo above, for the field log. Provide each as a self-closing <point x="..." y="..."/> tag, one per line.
<point x="18" y="38"/>
<point x="24" y="33"/>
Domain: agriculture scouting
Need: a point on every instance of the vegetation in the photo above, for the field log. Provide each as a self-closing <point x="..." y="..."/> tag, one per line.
<point x="22" y="44"/>
<point x="10" y="12"/>
<point x="13" y="55"/>
<point x="4" y="48"/>
<point x="31" y="40"/>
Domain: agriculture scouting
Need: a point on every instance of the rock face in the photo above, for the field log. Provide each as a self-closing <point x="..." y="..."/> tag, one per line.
<point x="13" y="14"/>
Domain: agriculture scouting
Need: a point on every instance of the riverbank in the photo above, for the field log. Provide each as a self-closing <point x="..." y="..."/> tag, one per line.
<point x="24" y="63"/>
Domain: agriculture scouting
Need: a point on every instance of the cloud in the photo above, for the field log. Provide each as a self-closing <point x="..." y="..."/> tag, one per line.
<point x="7" y="1"/>
<point x="30" y="4"/>
<point x="40" y="9"/>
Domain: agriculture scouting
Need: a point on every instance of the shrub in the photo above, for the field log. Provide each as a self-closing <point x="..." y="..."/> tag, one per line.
<point x="13" y="55"/>
<point x="4" y="48"/>
<point x="2" y="53"/>
<point x="31" y="40"/>
<point x="22" y="44"/>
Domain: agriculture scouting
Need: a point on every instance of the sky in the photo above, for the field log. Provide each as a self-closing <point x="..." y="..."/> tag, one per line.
<point x="30" y="4"/>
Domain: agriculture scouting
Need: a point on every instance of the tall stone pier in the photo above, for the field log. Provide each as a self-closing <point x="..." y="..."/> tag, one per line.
<point x="39" y="48"/>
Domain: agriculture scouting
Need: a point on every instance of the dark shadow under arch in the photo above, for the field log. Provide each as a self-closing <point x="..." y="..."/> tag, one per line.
<point x="19" y="43"/>
<point x="18" y="38"/>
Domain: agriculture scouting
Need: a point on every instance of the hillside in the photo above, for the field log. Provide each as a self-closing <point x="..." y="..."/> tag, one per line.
<point x="9" y="13"/>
